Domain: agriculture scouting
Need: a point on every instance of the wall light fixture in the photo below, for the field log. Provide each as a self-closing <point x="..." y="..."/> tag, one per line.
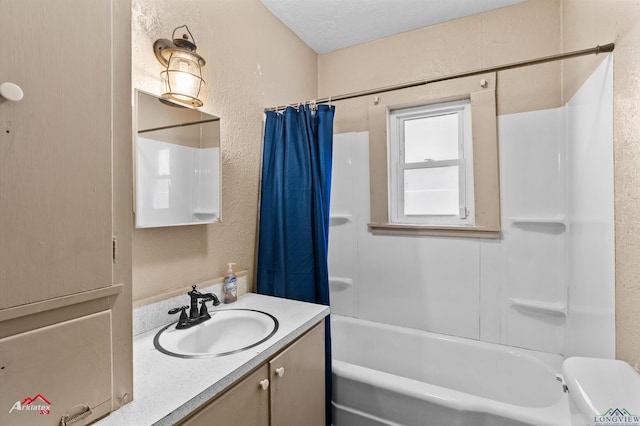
<point x="182" y="75"/>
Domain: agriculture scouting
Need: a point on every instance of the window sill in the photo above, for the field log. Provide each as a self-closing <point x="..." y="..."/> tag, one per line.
<point x="439" y="231"/>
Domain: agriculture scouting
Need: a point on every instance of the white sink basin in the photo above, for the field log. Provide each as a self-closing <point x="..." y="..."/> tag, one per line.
<point x="227" y="332"/>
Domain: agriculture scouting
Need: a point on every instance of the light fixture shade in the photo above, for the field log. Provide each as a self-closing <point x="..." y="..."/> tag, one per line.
<point x="182" y="76"/>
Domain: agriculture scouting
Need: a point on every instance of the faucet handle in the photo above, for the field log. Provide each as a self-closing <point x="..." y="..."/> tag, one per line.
<point x="176" y="310"/>
<point x="203" y="307"/>
<point x="184" y="318"/>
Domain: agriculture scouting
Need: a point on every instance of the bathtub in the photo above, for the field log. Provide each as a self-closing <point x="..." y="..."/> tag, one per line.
<point x="389" y="375"/>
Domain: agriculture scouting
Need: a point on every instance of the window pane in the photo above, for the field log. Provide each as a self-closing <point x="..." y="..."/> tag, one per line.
<point x="431" y="138"/>
<point x="431" y="191"/>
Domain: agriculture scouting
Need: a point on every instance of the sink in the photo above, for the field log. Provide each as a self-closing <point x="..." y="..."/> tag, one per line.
<point x="227" y="332"/>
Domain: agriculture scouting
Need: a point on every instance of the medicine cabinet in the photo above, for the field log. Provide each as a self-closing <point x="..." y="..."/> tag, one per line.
<point x="176" y="163"/>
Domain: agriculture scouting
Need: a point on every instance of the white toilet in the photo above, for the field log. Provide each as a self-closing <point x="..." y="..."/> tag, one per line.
<point x="602" y="391"/>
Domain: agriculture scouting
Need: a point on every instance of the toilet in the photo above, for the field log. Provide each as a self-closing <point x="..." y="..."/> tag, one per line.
<point x="601" y="391"/>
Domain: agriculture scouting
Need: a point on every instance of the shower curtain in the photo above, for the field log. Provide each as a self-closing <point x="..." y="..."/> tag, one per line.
<point x="294" y="210"/>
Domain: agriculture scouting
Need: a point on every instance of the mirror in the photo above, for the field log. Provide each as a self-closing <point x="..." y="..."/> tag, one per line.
<point x="177" y="164"/>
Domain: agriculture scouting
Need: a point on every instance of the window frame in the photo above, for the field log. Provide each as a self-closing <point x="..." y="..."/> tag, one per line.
<point x="481" y="90"/>
<point x="397" y="165"/>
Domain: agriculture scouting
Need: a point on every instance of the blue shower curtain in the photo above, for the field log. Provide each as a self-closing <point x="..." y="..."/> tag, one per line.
<point x="294" y="210"/>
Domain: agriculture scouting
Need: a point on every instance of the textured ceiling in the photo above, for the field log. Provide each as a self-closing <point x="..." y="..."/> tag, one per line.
<point x="327" y="25"/>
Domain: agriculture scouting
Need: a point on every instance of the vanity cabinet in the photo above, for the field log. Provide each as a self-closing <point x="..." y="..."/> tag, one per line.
<point x="294" y="394"/>
<point x="297" y="382"/>
<point x="245" y="404"/>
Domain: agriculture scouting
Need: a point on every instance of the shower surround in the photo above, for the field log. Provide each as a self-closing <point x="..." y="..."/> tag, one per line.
<point x="547" y="284"/>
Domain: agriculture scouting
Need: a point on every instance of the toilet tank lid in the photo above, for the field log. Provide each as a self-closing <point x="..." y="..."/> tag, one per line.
<point x="599" y="385"/>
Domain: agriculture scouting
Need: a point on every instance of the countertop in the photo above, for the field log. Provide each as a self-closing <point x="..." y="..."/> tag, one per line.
<point x="167" y="389"/>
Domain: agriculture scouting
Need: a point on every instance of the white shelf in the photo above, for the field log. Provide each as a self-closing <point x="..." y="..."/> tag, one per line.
<point x="557" y="309"/>
<point x="340" y="283"/>
<point x="339" y="219"/>
<point x="205" y="212"/>
<point x="538" y="220"/>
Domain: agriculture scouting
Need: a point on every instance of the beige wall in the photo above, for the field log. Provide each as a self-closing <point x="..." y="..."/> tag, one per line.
<point x="586" y="23"/>
<point x="253" y="61"/>
<point x="526" y="30"/>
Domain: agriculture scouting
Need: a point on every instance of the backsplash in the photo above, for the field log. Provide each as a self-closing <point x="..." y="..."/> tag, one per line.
<point x="155" y="314"/>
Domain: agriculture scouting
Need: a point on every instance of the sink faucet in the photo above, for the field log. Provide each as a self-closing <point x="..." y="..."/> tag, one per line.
<point x="196" y="316"/>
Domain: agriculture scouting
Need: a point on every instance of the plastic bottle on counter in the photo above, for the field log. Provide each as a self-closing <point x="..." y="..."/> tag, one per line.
<point x="230" y="286"/>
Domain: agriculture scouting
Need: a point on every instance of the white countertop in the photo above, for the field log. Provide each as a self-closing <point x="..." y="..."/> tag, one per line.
<point x="167" y="389"/>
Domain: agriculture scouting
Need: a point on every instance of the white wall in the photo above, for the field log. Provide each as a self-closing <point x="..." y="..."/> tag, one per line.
<point x="591" y="244"/>
<point x="514" y="290"/>
<point x="426" y="283"/>
<point x="534" y="289"/>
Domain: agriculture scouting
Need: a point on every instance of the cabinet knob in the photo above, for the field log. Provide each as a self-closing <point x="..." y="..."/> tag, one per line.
<point x="11" y="91"/>
<point x="280" y="371"/>
<point x="264" y="384"/>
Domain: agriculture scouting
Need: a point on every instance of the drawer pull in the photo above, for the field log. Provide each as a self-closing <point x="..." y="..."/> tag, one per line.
<point x="264" y="384"/>
<point x="280" y="371"/>
<point x="80" y="412"/>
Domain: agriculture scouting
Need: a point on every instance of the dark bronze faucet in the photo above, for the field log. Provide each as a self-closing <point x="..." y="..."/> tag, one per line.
<point x="196" y="316"/>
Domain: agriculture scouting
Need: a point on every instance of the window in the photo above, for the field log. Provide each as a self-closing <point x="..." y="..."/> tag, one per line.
<point x="401" y="203"/>
<point x="431" y="165"/>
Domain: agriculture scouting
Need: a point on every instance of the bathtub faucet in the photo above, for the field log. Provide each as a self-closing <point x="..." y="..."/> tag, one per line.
<point x="196" y="316"/>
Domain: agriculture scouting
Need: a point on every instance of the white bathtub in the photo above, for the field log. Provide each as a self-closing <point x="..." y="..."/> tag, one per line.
<point x="389" y="375"/>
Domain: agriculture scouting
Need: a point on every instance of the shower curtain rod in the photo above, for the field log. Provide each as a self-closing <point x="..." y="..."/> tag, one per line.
<point x="592" y="51"/>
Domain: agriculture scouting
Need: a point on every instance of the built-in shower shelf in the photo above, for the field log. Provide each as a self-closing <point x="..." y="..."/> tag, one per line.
<point x="201" y="212"/>
<point x="557" y="309"/>
<point x="339" y="219"/>
<point x="340" y="283"/>
<point x="538" y="220"/>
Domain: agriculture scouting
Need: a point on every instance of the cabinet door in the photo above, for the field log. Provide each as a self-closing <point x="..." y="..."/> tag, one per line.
<point x="55" y="150"/>
<point x="245" y="404"/>
<point x="297" y="382"/>
<point x="55" y="370"/>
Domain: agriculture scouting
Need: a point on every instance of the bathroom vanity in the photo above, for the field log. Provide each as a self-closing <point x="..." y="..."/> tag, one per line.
<point x="287" y="389"/>
<point x="231" y="389"/>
